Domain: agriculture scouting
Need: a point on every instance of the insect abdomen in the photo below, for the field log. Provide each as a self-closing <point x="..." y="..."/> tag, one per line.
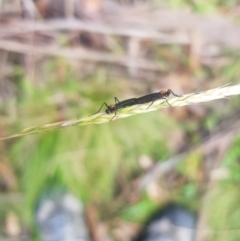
<point x="148" y="98"/>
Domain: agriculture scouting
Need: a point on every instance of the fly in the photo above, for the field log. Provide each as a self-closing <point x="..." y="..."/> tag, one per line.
<point x="150" y="98"/>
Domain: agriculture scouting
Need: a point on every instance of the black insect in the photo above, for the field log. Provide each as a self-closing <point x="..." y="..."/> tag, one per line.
<point x="150" y="98"/>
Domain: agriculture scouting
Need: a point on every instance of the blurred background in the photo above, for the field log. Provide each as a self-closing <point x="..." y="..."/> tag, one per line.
<point x="61" y="60"/>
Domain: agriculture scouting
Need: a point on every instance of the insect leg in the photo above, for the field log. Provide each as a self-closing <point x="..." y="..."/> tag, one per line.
<point x="116" y="101"/>
<point x="115" y="112"/>
<point x="113" y="117"/>
<point x="166" y="100"/>
<point x="150" y="104"/>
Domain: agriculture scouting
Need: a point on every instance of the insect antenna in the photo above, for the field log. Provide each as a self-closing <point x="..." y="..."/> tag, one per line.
<point x="170" y="91"/>
<point x="101" y="108"/>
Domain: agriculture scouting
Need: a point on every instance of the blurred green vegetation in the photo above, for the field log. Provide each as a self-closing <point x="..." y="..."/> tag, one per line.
<point x="99" y="163"/>
<point x="87" y="161"/>
<point x="139" y="211"/>
<point x="205" y="7"/>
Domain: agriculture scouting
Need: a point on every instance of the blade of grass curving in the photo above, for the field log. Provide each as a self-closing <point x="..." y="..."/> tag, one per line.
<point x="100" y="118"/>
